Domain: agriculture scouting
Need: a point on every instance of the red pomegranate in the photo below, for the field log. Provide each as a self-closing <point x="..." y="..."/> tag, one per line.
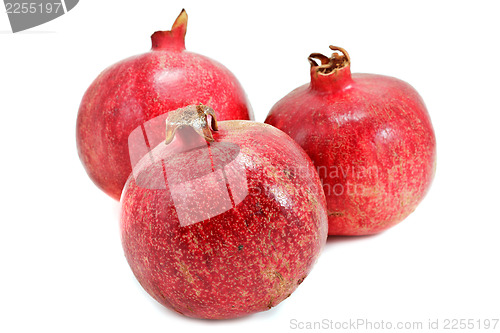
<point x="137" y="89"/>
<point x="370" y="138"/>
<point x="222" y="224"/>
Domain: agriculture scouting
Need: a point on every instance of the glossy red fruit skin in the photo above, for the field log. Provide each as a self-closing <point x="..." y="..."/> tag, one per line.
<point x="371" y="140"/>
<point x="129" y="93"/>
<point x="244" y="260"/>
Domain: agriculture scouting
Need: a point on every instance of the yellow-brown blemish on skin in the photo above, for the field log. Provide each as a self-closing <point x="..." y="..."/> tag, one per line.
<point x="280" y="285"/>
<point x="335" y="213"/>
<point x="184" y="270"/>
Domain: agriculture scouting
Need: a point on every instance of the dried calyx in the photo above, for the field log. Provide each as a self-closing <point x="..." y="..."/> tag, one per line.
<point x="194" y="116"/>
<point x="339" y="59"/>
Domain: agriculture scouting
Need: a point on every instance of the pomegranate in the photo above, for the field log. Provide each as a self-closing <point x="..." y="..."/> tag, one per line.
<point x="137" y="89"/>
<point x="224" y="220"/>
<point x="370" y="138"/>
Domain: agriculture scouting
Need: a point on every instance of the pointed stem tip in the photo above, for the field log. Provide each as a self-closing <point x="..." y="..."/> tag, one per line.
<point x="172" y="39"/>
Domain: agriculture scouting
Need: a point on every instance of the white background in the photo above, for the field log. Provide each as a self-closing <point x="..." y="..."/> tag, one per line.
<point x="62" y="265"/>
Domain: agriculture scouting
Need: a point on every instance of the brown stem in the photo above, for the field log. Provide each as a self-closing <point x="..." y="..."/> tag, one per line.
<point x="339" y="59"/>
<point x="195" y="116"/>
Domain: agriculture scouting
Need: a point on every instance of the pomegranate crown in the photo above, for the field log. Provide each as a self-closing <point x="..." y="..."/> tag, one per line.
<point x="339" y="59"/>
<point x="195" y="116"/>
<point x="172" y="39"/>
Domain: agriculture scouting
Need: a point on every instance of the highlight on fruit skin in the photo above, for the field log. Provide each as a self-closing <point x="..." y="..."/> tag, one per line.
<point x="370" y="138"/>
<point x="135" y="90"/>
<point x="226" y="226"/>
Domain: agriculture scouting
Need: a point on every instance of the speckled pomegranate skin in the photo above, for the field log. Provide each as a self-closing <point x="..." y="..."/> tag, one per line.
<point x="244" y="260"/>
<point x="134" y="90"/>
<point x="371" y="140"/>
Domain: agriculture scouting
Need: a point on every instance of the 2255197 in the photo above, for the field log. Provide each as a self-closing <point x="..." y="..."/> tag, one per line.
<point x="471" y="324"/>
<point x="33" y="8"/>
